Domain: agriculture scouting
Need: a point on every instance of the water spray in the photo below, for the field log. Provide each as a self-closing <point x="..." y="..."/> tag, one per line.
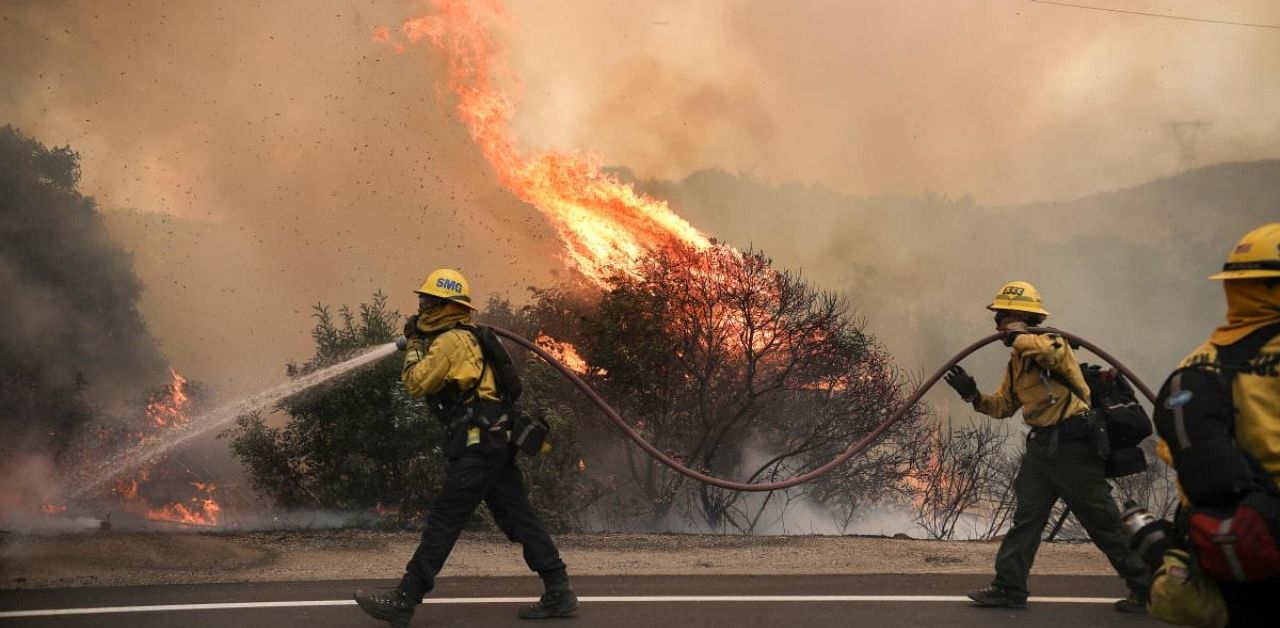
<point x="88" y="480"/>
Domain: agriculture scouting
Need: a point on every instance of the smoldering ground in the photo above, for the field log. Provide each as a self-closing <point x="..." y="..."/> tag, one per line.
<point x="271" y="157"/>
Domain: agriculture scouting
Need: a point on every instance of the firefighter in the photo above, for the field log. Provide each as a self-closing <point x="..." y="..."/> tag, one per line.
<point x="1251" y="282"/>
<point x="444" y="363"/>
<point x="1044" y="380"/>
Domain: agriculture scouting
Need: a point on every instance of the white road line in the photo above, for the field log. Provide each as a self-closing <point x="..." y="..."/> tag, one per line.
<point x="159" y="608"/>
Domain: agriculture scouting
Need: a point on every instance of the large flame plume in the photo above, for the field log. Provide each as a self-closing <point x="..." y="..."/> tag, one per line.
<point x="604" y="223"/>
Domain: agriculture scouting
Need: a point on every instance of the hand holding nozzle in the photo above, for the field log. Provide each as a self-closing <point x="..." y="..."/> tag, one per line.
<point x="410" y="332"/>
<point x="1014" y="329"/>
<point x="411" y="326"/>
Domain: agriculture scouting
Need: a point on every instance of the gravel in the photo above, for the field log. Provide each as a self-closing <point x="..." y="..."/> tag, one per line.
<point x="138" y="558"/>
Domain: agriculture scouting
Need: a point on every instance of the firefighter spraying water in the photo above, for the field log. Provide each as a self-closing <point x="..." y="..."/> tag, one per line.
<point x="472" y="390"/>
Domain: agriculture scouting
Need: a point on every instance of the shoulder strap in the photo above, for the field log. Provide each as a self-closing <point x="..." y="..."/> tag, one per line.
<point x="1071" y="390"/>
<point x="1236" y="357"/>
<point x="474" y="391"/>
<point x="1232" y="360"/>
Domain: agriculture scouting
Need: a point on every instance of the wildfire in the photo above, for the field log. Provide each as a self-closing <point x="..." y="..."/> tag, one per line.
<point x="564" y="352"/>
<point x="604" y="223"/>
<point x="168" y="411"/>
<point x="171" y="411"/>
<point x="127" y="488"/>
<point x="53" y="509"/>
<point x="203" y="513"/>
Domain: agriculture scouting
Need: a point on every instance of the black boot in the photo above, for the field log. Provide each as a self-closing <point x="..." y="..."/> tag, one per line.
<point x="1136" y="603"/>
<point x="999" y="597"/>
<point x="391" y="606"/>
<point x="558" y="601"/>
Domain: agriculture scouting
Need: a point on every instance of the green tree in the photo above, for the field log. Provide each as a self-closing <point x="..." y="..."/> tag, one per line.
<point x="354" y="443"/>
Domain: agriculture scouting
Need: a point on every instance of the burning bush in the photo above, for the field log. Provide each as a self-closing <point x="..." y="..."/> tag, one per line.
<point x="73" y="340"/>
<point x="737" y="369"/>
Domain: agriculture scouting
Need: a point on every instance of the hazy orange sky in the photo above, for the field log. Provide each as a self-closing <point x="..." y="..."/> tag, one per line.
<point x="322" y="166"/>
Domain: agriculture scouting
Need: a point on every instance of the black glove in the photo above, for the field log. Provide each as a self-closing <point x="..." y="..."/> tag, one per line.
<point x="962" y="382"/>
<point x="411" y="327"/>
<point x="1015" y="329"/>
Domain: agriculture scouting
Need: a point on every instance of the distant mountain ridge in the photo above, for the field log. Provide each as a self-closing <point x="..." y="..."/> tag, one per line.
<point x="1126" y="267"/>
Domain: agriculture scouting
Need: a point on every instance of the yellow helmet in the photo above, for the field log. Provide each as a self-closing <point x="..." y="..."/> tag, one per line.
<point x="447" y="284"/>
<point x="1256" y="255"/>
<point x="1019" y="296"/>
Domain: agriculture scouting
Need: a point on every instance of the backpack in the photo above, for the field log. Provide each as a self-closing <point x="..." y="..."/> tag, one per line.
<point x="1124" y="422"/>
<point x="1234" y="521"/>
<point x="505" y="375"/>
<point x="528" y="433"/>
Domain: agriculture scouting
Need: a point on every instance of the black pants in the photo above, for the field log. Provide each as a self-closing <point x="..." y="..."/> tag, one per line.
<point x="497" y="480"/>
<point x="1068" y="470"/>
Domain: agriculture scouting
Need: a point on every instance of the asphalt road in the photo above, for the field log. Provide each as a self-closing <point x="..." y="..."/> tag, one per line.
<point x="613" y="601"/>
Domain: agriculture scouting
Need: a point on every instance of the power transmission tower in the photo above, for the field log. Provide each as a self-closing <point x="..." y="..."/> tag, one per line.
<point x="1184" y="132"/>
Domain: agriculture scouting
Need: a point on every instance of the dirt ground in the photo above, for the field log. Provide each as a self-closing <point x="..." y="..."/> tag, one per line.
<point x="122" y="558"/>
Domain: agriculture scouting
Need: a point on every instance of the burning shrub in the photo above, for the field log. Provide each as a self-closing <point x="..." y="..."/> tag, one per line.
<point x="73" y="341"/>
<point x="737" y="369"/>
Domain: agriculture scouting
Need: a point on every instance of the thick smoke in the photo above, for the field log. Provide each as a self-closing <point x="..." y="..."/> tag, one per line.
<point x="258" y="159"/>
<point x="279" y="157"/>
<point x="73" y="345"/>
<point x="275" y="157"/>
<point x="1008" y="101"/>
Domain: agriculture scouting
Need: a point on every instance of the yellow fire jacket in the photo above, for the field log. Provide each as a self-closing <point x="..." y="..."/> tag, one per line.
<point x="446" y="355"/>
<point x="1029" y="386"/>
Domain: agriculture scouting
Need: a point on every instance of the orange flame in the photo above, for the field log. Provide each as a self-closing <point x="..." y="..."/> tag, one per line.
<point x="204" y="513"/>
<point x="53" y="509"/>
<point x="604" y="223"/>
<point x="171" y="411"/>
<point x="565" y="352"/>
<point x="168" y="412"/>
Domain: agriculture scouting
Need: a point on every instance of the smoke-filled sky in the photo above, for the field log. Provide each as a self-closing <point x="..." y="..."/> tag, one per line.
<point x="262" y="157"/>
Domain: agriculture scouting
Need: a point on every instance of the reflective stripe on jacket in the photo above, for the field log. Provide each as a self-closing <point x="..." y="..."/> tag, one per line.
<point x="1029" y="386"/>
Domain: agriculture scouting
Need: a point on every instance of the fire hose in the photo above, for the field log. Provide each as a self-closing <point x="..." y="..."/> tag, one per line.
<point x="853" y="449"/>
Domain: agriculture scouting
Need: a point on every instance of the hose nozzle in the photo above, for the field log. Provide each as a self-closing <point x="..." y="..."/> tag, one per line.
<point x="402" y="343"/>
